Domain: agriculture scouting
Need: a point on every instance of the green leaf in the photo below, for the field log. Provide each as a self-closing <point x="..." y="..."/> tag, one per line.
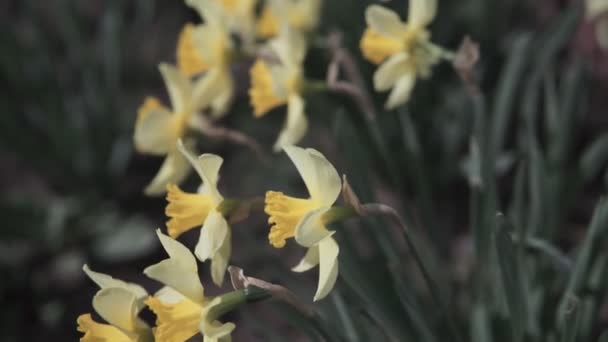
<point x="512" y="281"/>
<point x="569" y="319"/>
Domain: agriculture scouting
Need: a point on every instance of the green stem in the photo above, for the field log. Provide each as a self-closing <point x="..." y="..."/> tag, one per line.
<point x="382" y="209"/>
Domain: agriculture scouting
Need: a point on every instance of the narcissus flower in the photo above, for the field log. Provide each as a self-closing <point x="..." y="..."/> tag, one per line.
<point x="158" y="128"/>
<point x="301" y="15"/>
<point x="280" y="83"/>
<point x="207" y="48"/>
<point x="181" y="308"/>
<point x="403" y="49"/>
<point x="598" y="9"/>
<point x="119" y="304"/>
<point x="190" y="210"/>
<point x="305" y="219"/>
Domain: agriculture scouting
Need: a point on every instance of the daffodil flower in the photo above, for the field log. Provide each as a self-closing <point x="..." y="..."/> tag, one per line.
<point x="598" y="9"/>
<point x="181" y="309"/>
<point x="207" y="48"/>
<point x="158" y="128"/>
<point x="118" y="303"/>
<point x="403" y="49"/>
<point x="190" y="210"/>
<point x="276" y="84"/>
<point x="305" y="219"/>
<point x="301" y="15"/>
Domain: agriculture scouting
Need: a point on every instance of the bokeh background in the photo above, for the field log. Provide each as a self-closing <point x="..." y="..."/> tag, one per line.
<point x="73" y="73"/>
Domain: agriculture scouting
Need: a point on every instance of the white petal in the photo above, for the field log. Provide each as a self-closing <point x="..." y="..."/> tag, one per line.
<point x="180" y="271"/>
<point x="118" y="307"/>
<point x="208" y="87"/>
<point x="296" y="124"/>
<point x="384" y="21"/>
<point x="207" y="166"/>
<point x="328" y="267"/>
<point x="421" y="12"/>
<point x="390" y="71"/>
<point x="154" y="134"/>
<point x="168" y="295"/>
<point x="214" y="232"/>
<point x="319" y="175"/>
<point x="401" y="92"/>
<point x="106" y="281"/>
<point x="174" y="170"/>
<point x="290" y="46"/>
<point x="219" y="105"/>
<point x="310" y="260"/>
<point x="219" y="262"/>
<point x="178" y="86"/>
<point x="310" y="230"/>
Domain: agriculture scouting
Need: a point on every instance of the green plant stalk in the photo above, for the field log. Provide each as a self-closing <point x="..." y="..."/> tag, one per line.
<point x="381" y="209"/>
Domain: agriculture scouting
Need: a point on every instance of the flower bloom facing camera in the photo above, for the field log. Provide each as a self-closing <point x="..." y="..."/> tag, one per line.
<point x="119" y="304"/>
<point x="205" y="51"/>
<point x="305" y="219"/>
<point x="276" y="83"/>
<point x="190" y="210"/>
<point x="403" y="49"/>
<point x="181" y="308"/>
<point x="301" y="15"/>
<point x="158" y="128"/>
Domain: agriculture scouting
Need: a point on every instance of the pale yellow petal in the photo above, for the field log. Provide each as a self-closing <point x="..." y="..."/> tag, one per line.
<point x="220" y="260"/>
<point x="168" y="295"/>
<point x="385" y="21"/>
<point x="211" y="328"/>
<point x="310" y="260"/>
<point x="421" y="12"/>
<point x="328" y="267"/>
<point x="209" y="86"/>
<point x="596" y="7"/>
<point x="295" y="126"/>
<point x="118" y="307"/>
<point x="390" y="71"/>
<point x="180" y="271"/>
<point x="155" y="132"/>
<point x="178" y="87"/>
<point x="402" y="91"/>
<point x="290" y="46"/>
<point x="174" y="170"/>
<point x="319" y="175"/>
<point x="304" y="14"/>
<point x="97" y="332"/>
<point x="105" y="281"/>
<point x="207" y="166"/>
<point x="214" y="232"/>
<point x="221" y="103"/>
<point x="310" y="230"/>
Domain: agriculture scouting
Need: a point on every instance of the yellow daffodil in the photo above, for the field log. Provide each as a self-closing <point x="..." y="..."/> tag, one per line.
<point x="207" y="48"/>
<point x="158" y="128"/>
<point x="301" y="15"/>
<point x="119" y="304"/>
<point x="276" y="84"/>
<point x="190" y="210"/>
<point x="305" y="219"/>
<point x="598" y="9"/>
<point x="181" y="308"/>
<point x="241" y="17"/>
<point x="403" y="49"/>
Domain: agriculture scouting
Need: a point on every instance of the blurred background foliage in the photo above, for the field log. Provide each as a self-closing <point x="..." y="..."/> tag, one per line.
<point x="532" y="146"/>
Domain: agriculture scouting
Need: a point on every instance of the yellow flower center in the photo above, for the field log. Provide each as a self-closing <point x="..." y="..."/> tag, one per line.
<point x="285" y="212"/>
<point x="263" y="98"/>
<point x="175" y="321"/>
<point x="95" y="332"/>
<point x="186" y="210"/>
<point x="268" y="24"/>
<point x="376" y="47"/>
<point x="189" y="60"/>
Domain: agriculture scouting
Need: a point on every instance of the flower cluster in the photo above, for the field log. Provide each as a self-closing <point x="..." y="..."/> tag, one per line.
<point x="201" y="88"/>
